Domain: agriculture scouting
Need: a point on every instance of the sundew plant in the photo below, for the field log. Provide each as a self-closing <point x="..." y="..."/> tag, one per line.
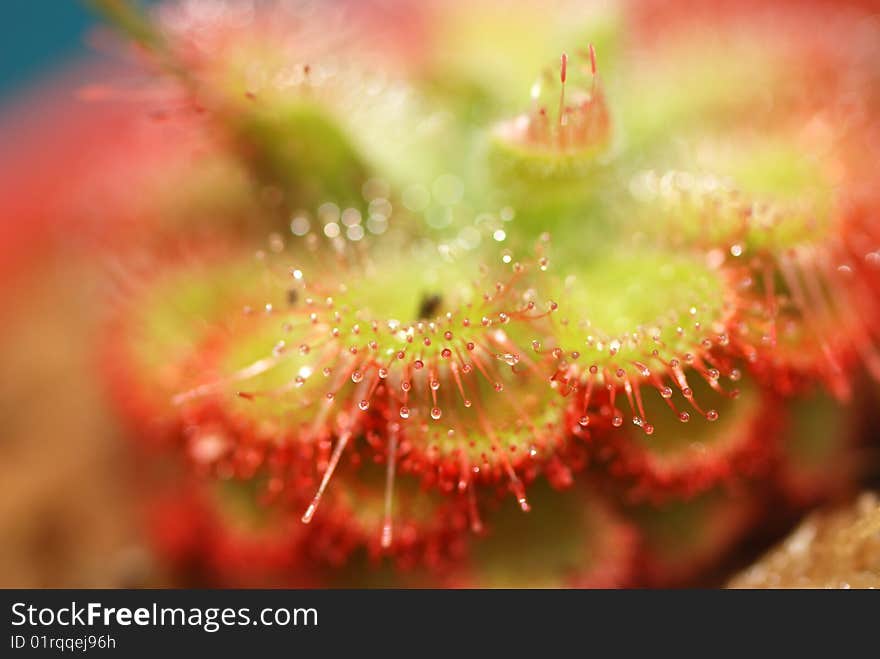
<point x="487" y="294"/>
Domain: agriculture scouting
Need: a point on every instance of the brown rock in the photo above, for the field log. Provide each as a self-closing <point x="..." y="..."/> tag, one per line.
<point x="830" y="549"/>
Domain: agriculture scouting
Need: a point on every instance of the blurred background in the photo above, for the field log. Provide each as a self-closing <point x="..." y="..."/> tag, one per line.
<point x="66" y="518"/>
<point x="37" y="38"/>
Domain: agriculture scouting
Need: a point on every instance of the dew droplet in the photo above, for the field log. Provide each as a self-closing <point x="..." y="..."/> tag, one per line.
<point x="404" y="412"/>
<point x="436" y="413"/>
<point x="509" y="358"/>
